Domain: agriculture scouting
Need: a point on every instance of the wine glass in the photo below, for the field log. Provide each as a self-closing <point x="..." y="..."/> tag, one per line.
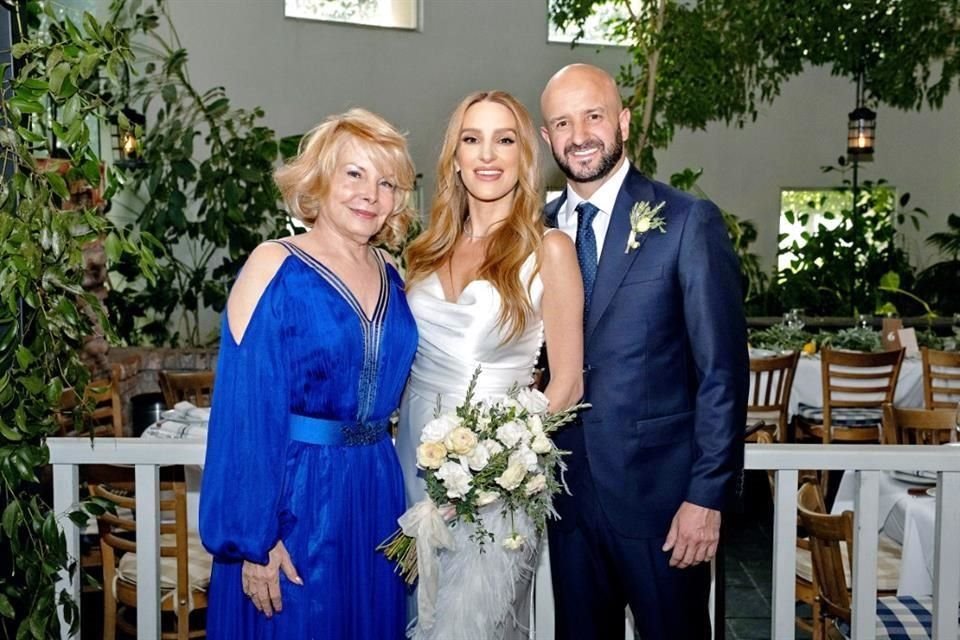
<point x="794" y="319"/>
<point x="864" y="321"/>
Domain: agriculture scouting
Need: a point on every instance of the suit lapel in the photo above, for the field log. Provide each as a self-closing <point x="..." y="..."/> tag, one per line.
<point x="615" y="260"/>
<point x="552" y="210"/>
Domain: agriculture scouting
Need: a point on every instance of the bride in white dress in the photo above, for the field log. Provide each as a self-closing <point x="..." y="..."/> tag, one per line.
<point x="488" y="286"/>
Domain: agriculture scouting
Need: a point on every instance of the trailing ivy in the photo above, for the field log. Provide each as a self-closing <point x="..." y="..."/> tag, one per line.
<point x="64" y="72"/>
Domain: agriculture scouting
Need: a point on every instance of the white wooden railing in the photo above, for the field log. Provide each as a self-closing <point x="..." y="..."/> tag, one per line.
<point x="869" y="461"/>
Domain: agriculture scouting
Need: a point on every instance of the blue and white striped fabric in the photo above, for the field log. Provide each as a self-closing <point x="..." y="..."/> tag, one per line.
<point x="901" y="618"/>
<point x="842" y="417"/>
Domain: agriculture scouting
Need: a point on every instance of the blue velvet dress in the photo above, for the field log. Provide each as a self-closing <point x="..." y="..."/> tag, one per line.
<point x="298" y="450"/>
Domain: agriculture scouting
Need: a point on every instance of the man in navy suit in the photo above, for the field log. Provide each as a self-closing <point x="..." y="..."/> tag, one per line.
<point x="666" y="369"/>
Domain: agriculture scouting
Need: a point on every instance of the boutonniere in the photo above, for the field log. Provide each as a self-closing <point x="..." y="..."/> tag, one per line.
<point x="643" y="218"/>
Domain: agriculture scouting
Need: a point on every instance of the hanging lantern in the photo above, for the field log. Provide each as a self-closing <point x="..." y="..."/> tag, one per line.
<point x="861" y="131"/>
<point x="128" y="137"/>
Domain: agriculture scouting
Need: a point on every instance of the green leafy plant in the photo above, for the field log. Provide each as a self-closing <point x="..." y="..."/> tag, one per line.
<point x="839" y="269"/>
<point x="693" y="62"/>
<point x="940" y="282"/>
<point x="59" y="88"/>
<point x="202" y="195"/>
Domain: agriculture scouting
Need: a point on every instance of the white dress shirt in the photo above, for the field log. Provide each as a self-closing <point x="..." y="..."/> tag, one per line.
<point x="603" y="199"/>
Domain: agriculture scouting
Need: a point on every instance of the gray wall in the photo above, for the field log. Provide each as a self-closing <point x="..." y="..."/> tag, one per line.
<point x="300" y="71"/>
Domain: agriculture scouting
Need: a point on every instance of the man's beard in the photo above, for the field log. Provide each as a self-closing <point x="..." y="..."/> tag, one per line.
<point x="608" y="160"/>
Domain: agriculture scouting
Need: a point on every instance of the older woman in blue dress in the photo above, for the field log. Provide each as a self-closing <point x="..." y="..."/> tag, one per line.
<point x="301" y="480"/>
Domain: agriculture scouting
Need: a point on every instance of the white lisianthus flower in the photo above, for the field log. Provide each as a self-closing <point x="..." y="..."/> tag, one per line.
<point x="532" y="400"/>
<point x="461" y="441"/>
<point x="512" y="476"/>
<point x="541" y="444"/>
<point x="455" y="478"/>
<point x="487" y="497"/>
<point x="511" y="403"/>
<point x="523" y="456"/>
<point x="479" y="458"/>
<point x="492" y="446"/>
<point x="535" y="424"/>
<point x="535" y="485"/>
<point x="512" y="433"/>
<point x="430" y="455"/>
<point x="514" y="542"/>
<point x="642" y="225"/>
<point x="483" y="420"/>
<point x="438" y="428"/>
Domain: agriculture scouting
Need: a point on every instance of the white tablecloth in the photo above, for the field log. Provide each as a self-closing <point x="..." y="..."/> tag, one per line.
<point x="808" y="386"/>
<point x="193" y="474"/>
<point x="907" y="519"/>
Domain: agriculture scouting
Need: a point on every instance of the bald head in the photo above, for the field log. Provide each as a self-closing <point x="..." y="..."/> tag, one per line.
<point x="585" y="124"/>
<point x="584" y="77"/>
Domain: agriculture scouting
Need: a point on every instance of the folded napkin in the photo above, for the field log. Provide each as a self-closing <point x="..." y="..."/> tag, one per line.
<point x="178" y="430"/>
<point x="190" y="412"/>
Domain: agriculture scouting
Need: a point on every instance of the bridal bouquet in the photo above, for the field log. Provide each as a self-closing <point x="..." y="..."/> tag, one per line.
<point x="483" y="453"/>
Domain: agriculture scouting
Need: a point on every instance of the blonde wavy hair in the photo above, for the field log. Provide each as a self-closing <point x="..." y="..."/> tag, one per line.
<point x="511" y="243"/>
<point x="304" y="182"/>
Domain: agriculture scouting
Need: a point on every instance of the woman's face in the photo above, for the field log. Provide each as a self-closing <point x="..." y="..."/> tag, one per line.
<point x="360" y="198"/>
<point x="488" y="152"/>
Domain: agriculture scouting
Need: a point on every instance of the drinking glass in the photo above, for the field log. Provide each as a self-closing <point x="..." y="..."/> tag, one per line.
<point x="794" y="319"/>
<point x="864" y="321"/>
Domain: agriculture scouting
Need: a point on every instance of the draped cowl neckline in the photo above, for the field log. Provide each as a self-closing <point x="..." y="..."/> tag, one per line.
<point x="457" y="336"/>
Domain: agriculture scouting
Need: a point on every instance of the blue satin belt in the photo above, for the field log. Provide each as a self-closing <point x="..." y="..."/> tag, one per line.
<point x="336" y="433"/>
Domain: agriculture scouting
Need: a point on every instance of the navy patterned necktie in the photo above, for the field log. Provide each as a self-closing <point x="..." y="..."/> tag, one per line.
<point x="587" y="250"/>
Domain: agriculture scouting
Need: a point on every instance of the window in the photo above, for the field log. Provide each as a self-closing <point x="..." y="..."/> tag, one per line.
<point x="597" y="29"/>
<point x="804" y="211"/>
<point x="398" y="14"/>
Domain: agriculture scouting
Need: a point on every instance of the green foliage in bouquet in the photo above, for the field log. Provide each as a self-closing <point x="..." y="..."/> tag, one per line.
<point x="779" y="337"/>
<point x="854" y="339"/>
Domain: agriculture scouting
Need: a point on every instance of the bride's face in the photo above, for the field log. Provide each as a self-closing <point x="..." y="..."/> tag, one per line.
<point x="488" y="152"/>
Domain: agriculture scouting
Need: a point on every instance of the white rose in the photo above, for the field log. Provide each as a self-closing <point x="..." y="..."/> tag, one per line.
<point x="514" y="541"/>
<point x="455" y="478"/>
<point x="523" y="456"/>
<point x="513" y="433"/>
<point x="487" y="497"/>
<point x="512" y="476"/>
<point x="479" y="458"/>
<point x="541" y="444"/>
<point x="535" y="424"/>
<point x="430" y="455"/>
<point x="643" y="225"/>
<point x="461" y="441"/>
<point x="532" y="400"/>
<point x="492" y="446"/>
<point x="535" y="485"/>
<point x="438" y="428"/>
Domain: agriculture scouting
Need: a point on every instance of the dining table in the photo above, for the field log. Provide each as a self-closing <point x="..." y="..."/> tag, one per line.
<point x="907" y="514"/>
<point x="184" y="422"/>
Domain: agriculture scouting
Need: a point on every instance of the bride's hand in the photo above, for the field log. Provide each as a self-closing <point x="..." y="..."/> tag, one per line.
<point x="261" y="582"/>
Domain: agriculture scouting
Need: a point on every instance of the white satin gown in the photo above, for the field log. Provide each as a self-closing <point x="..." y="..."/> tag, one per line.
<point x="481" y="596"/>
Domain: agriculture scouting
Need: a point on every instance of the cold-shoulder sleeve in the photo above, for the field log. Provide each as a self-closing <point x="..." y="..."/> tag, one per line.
<point x="240" y="516"/>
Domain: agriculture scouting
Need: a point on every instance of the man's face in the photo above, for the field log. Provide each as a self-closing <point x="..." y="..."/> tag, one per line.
<point x="585" y="129"/>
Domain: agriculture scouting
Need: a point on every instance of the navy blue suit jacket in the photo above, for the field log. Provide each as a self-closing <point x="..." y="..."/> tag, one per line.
<point x="665" y="367"/>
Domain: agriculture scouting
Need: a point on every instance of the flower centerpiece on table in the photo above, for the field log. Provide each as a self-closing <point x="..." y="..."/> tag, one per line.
<point x="486" y="452"/>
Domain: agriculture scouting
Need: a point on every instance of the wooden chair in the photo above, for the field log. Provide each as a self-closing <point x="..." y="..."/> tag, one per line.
<point x="919" y="426"/>
<point x="193" y="386"/>
<point x="184" y="563"/>
<point x="855" y="386"/>
<point x="771" y="380"/>
<point x="941" y="379"/>
<point x="831" y="572"/>
<point x="810" y="498"/>
<point x="99" y="412"/>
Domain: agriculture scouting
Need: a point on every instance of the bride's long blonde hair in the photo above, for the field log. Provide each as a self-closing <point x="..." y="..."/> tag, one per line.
<point x="508" y="247"/>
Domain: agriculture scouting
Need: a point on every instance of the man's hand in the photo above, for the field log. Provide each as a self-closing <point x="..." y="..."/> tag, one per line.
<point x="694" y="535"/>
<point x="261" y="582"/>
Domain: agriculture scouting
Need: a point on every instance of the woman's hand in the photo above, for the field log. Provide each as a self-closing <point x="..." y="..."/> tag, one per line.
<point x="261" y="583"/>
